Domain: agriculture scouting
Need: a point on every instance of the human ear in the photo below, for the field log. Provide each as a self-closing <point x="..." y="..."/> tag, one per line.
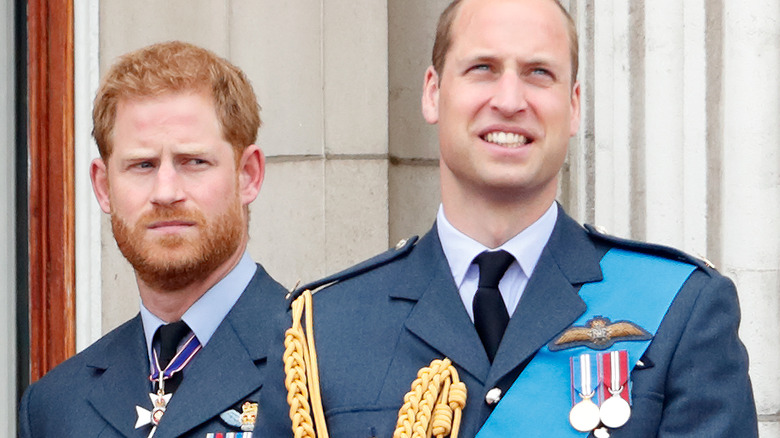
<point x="430" y="96"/>
<point x="98" y="173"/>
<point x="575" y="110"/>
<point x="251" y="171"/>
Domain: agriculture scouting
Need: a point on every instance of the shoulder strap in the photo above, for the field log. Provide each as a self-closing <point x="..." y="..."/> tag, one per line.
<point x="401" y="249"/>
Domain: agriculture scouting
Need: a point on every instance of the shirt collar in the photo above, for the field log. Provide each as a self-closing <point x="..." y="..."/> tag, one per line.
<point x="205" y="315"/>
<point x="526" y="246"/>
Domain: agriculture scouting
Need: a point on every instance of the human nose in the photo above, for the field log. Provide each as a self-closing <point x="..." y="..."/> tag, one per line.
<point x="167" y="186"/>
<point x="509" y="95"/>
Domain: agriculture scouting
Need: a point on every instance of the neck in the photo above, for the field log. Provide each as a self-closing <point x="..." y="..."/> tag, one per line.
<point x="170" y="305"/>
<point x="493" y="220"/>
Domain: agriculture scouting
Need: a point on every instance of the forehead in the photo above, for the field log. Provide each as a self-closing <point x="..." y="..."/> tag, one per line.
<point x="517" y="26"/>
<point x="180" y="120"/>
<point x="171" y="113"/>
<point x="173" y="107"/>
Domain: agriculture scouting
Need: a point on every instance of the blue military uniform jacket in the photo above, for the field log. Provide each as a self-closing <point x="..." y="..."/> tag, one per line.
<point x="94" y="393"/>
<point x="378" y="323"/>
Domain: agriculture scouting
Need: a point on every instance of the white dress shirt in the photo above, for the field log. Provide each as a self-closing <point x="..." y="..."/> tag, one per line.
<point x="526" y="247"/>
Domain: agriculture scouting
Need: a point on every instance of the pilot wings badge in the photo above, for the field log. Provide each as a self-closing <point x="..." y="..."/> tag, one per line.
<point x="599" y="333"/>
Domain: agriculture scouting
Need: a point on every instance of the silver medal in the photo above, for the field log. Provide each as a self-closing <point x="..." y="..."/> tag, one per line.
<point x="584" y="416"/>
<point x="615" y="411"/>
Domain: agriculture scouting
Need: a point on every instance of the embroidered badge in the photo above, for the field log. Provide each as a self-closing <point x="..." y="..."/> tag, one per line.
<point x="245" y="420"/>
<point x="248" y="416"/>
<point x="599" y="333"/>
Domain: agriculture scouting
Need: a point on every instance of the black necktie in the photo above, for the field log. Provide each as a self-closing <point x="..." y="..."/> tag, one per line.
<point x="170" y="336"/>
<point x="490" y="315"/>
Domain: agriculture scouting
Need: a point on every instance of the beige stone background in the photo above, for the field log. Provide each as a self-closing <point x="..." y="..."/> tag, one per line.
<point x="679" y="141"/>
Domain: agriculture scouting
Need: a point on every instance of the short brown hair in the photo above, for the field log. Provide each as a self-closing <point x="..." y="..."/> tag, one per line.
<point x="176" y="66"/>
<point x="443" y="41"/>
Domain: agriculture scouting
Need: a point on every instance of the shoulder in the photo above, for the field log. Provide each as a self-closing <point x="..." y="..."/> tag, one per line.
<point x="66" y="376"/>
<point x="263" y="292"/>
<point x="600" y="237"/>
<point x="394" y="254"/>
<point x="703" y="287"/>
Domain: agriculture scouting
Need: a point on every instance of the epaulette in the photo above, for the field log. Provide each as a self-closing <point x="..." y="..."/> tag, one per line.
<point x="599" y="234"/>
<point x="402" y="248"/>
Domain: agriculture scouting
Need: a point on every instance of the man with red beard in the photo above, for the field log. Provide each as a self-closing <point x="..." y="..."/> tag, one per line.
<point x="176" y="128"/>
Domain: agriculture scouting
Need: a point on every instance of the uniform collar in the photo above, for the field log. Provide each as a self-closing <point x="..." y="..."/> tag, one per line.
<point x="526" y="246"/>
<point x="207" y="313"/>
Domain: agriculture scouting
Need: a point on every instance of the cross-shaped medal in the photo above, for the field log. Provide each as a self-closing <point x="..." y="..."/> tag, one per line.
<point x="159" y="403"/>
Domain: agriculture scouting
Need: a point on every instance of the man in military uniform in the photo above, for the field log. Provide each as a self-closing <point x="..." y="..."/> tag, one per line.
<point x="555" y="329"/>
<point x="175" y="126"/>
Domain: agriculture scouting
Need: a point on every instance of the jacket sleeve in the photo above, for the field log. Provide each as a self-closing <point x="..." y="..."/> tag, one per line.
<point x="708" y="391"/>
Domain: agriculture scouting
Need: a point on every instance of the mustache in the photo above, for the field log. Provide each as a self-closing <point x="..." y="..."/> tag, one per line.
<point x="160" y="214"/>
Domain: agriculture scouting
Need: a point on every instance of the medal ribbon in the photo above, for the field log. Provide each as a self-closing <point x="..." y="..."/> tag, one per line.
<point x="584" y="378"/>
<point x="182" y="358"/>
<point x="614" y="368"/>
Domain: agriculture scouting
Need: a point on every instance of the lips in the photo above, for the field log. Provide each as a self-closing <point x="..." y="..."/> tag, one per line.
<point x="170" y="224"/>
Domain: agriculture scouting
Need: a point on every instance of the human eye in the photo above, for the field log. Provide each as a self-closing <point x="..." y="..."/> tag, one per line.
<point x="481" y="67"/>
<point x="541" y="76"/>
<point x="142" y="165"/>
<point x="541" y="71"/>
<point x="196" y="162"/>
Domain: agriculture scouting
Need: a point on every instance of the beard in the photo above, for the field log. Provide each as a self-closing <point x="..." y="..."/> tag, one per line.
<point x="174" y="262"/>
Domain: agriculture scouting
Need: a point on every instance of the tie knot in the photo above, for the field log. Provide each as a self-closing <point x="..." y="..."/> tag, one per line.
<point x="492" y="266"/>
<point x="170" y="336"/>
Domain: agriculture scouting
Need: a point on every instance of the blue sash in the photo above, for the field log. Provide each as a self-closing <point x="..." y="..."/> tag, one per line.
<point x="637" y="288"/>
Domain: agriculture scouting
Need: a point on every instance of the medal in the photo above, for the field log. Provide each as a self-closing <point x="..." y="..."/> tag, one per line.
<point x="615" y="410"/>
<point x="584" y="414"/>
<point x="160" y="399"/>
<point x="153" y="417"/>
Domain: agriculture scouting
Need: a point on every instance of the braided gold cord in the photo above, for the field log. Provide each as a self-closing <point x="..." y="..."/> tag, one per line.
<point x="295" y="352"/>
<point x="434" y="404"/>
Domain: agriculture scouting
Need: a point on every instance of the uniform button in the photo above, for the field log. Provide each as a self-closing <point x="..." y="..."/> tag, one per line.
<point x="493" y="396"/>
<point x="401" y="243"/>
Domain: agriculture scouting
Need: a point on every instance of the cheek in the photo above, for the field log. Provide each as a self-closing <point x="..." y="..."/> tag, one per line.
<point x="126" y="199"/>
<point x="218" y="195"/>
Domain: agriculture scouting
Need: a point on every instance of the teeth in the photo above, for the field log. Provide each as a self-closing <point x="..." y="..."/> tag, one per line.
<point x="507" y="139"/>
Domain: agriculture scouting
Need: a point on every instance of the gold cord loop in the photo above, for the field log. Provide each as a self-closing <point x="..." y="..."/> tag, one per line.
<point x="432" y="407"/>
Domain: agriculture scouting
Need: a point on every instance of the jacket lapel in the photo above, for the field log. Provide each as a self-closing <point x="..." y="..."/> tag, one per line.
<point x="550" y="302"/>
<point x="121" y="371"/>
<point x="439" y="318"/>
<point x="229" y="368"/>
